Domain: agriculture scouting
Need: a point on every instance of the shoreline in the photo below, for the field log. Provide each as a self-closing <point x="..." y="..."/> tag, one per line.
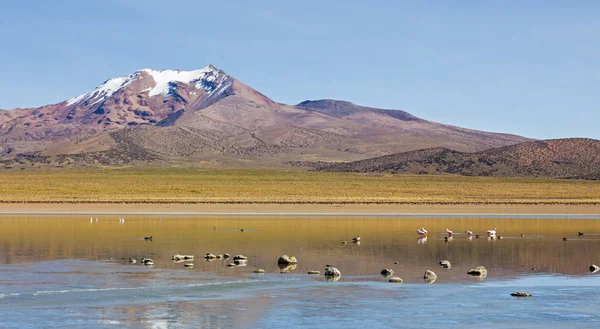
<point x="303" y="209"/>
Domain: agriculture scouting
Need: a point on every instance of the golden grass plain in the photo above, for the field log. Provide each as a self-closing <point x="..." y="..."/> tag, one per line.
<point x="182" y="185"/>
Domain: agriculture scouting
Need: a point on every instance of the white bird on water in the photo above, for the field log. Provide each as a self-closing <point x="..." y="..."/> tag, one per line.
<point x="491" y="233"/>
<point x="450" y="233"/>
<point x="468" y="233"/>
<point x="421" y="231"/>
<point x="122" y="220"/>
<point x="91" y="219"/>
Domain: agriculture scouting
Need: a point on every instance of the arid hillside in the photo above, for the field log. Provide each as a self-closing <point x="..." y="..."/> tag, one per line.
<point x="559" y="158"/>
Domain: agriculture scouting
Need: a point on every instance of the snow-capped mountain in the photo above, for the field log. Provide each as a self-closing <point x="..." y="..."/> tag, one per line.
<point x="174" y="113"/>
<point x="209" y="79"/>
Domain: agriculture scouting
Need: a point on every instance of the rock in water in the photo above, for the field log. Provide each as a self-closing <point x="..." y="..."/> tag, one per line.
<point x="479" y="272"/>
<point x="147" y="261"/>
<point x="287" y="260"/>
<point x="430" y="276"/>
<point x="395" y="279"/>
<point x="287" y="268"/>
<point x="594" y="268"/>
<point x="521" y="294"/>
<point x="332" y="272"/>
<point x="240" y="262"/>
<point x="387" y="272"/>
<point x="445" y="264"/>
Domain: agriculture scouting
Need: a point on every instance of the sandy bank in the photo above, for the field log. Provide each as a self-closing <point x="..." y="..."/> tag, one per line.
<point x="297" y="209"/>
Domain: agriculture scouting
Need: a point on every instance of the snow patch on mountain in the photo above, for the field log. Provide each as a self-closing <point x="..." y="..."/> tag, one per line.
<point x="209" y="79"/>
<point x="105" y="90"/>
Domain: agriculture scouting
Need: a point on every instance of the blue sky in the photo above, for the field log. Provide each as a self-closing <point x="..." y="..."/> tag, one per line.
<point x="525" y="67"/>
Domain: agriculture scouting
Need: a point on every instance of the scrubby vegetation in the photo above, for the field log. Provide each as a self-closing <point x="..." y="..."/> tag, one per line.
<point x="180" y="185"/>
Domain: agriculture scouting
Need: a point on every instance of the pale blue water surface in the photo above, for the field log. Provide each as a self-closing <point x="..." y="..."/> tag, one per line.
<point x="69" y="273"/>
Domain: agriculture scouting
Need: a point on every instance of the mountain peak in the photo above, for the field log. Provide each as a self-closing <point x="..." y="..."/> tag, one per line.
<point x="209" y="79"/>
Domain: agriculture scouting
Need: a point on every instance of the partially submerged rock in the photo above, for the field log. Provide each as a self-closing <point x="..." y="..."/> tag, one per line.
<point x="183" y="257"/>
<point x="521" y="294"/>
<point x="430" y="276"/>
<point x="147" y="261"/>
<point x="332" y="271"/>
<point x="387" y="272"/>
<point x="287" y="268"/>
<point x="594" y="268"/>
<point x="479" y="272"/>
<point x="286" y="260"/>
<point x="445" y="264"/>
<point x="395" y="279"/>
<point x="241" y="262"/>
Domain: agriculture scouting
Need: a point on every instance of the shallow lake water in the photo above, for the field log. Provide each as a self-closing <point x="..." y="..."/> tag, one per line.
<point x="67" y="272"/>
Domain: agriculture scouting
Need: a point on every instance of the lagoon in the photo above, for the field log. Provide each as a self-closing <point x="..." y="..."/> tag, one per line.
<point x="65" y="271"/>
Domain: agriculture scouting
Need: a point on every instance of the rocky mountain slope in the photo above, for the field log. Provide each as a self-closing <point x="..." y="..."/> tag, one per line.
<point x="559" y="158"/>
<point x="207" y="116"/>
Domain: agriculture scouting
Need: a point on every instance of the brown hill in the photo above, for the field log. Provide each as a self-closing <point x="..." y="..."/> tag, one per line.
<point x="559" y="158"/>
<point x="207" y="116"/>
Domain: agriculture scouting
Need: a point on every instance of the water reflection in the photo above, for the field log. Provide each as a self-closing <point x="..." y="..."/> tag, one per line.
<point x="525" y="243"/>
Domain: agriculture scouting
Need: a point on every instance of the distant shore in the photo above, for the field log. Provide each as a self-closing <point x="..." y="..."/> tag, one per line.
<point x="272" y="209"/>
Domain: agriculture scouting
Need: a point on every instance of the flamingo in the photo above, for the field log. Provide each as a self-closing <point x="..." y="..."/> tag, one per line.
<point x="356" y="239"/>
<point x="96" y="219"/>
<point x="422" y="231"/>
<point x="449" y="232"/>
<point x="491" y="233"/>
<point x="91" y="219"/>
<point x="468" y="233"/>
